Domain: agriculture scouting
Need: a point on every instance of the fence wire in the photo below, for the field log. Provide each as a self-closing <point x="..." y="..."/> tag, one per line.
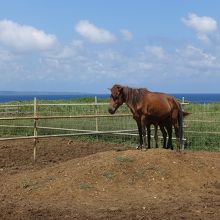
<point x="201" y="127"/>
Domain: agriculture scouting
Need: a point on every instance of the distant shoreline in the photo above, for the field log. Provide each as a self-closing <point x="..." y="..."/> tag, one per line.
<point x="28" y="96"/>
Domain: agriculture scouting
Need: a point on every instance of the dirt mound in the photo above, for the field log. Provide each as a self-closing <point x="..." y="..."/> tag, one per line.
<point x="128" y="184"/>
<point x="17" y="155"/>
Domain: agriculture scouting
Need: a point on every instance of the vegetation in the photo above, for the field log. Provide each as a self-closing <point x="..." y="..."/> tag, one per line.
<point x="84" y="185"/>
<point x="123" y="159"/>
<point x="202" y="127"/>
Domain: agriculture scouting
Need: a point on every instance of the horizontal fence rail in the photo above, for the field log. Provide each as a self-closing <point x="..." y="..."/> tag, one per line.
<point x="65" y="117"/>
<point x="73" y="134"/>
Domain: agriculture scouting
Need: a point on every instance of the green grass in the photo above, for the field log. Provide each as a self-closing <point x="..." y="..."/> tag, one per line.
<point x="202" y="130"/>
<point x="123" y="159"/>
<point x="109" y="175"/>
<point x="203" y="126"/>
<point x="85" y="185"/>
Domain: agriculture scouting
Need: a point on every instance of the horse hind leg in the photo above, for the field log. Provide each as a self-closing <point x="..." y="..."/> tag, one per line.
<point x="169" y="131"/>
<point x="177" y="121"/>
<point x="177" y="133"/>
<point x="148" y="136"/>
<point x="164" y="133"/>
<point x="144" y="138"/>
<point x="155" y="135"/>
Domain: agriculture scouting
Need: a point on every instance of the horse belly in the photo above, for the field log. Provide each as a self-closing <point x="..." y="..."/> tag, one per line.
<point x="158" y="109"/>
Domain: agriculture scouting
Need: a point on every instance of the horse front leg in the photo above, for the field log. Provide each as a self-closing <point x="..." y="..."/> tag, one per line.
<point x="140" y="134"/>
<point x="155" y="135"/>
<point x="164" y="133"/>
<point x="143" y="125"/>
<point x="148" y="135"/>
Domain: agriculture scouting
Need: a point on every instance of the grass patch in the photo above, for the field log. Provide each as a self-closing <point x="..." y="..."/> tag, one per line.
<point x="124" y="159"/>
<point x="109" y="175"/>
<point x="27" y="184"/>
<point x="84" y="185"/>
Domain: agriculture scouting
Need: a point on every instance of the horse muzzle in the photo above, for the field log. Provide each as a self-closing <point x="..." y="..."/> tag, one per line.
<point x="111" y="110"/>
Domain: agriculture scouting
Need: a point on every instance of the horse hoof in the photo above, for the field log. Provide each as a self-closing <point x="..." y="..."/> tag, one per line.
<point x="169" y="147"/>
<point x="139" y="147"/>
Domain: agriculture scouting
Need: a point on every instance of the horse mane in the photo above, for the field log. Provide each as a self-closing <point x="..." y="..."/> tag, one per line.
<point x="134" y="95"/>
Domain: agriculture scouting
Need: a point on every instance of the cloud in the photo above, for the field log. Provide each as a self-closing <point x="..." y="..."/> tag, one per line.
<point x="196" y="57"/>
<point x="76" y="65"/>
<point x="200" y="24"/>
<point x="156" y="51"/>
<point x="204" y="26"/>
<point x="25" y="38"/>
<point x="94" y="34"/>
<point x="5" y="56"/>
<point x="127" y="35"/>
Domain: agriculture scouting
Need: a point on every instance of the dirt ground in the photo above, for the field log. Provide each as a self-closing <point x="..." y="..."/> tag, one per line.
<point x="93" y="180"/>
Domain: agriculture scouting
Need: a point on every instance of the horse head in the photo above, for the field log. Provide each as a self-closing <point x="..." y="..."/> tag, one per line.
<point x="116" y="98"/>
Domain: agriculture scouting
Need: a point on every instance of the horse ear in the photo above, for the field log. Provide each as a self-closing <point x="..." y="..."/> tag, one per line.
<point x="120" y="88"/>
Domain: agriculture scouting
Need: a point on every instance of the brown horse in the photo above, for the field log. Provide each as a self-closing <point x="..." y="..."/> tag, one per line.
<point x="165" y="124"/>
<point x="150" y="108"/>
<point x="162" y="129"/>
<point x="164" y="133"/>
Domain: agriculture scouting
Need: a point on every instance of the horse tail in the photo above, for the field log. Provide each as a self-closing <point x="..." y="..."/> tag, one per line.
<point x="181" y="114"/>
<point x="186" y="114"/>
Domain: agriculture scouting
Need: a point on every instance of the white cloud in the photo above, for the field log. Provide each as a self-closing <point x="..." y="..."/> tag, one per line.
<point x="94" y="34"/>
<point x="196" y="57"/>
<point x="75" y="65"/>
<point x="127" y="35"/>
<point x="202" y="24"/>
<point x="144" y="66"/>
<point x="5" y="55"/>
<point x="25" y="38"/>
<point x="156" y="51"/>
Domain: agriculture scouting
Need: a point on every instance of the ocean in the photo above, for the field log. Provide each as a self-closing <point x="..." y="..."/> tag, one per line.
<point x="27" y="96"/>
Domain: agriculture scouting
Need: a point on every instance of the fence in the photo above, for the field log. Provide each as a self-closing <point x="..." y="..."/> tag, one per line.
<point x="41" y="120"/>
<point x="203" y="126"/>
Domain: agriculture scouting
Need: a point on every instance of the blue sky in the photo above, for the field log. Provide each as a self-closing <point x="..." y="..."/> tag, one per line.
<point x="89" y="45"/>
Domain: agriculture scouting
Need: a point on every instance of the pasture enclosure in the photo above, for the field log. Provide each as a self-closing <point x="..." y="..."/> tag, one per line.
<point x="88" y="117"/>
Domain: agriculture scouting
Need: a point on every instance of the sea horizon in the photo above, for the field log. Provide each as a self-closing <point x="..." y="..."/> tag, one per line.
<point x="7" y="96"/>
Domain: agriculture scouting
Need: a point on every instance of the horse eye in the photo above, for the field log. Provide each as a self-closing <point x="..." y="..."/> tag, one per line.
<point x="114" y="97"/>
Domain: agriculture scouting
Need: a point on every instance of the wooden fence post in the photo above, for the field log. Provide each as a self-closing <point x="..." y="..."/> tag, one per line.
<point x="182" y="104"/>
<point x="96" y="112"/>
<point x="35" y="127"/>
<point x="96" y="119"/>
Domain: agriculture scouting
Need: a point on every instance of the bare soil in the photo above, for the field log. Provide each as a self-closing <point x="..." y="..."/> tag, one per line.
<point x="94" y="180"/>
